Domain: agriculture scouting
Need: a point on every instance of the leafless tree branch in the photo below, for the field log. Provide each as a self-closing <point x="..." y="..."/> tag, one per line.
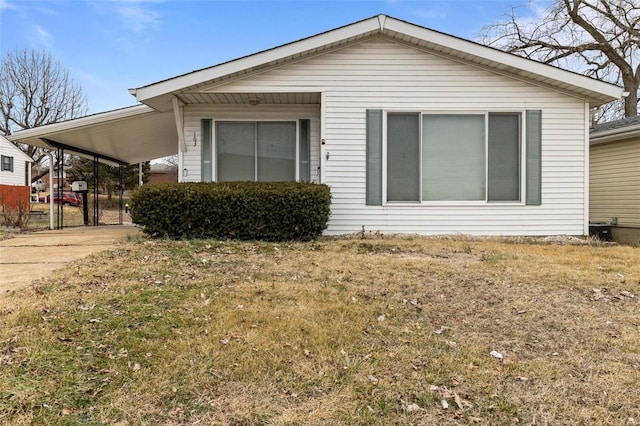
<point x="36" y="90"/>
<point x="600" y="38"/>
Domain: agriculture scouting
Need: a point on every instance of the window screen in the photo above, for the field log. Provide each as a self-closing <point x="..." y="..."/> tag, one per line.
<point x="504" y="157"/>
<point x="453" y="157"/>
<point x="403" y="157"/>
<point x="236" y="151"/>
<point x="276" y="151"/>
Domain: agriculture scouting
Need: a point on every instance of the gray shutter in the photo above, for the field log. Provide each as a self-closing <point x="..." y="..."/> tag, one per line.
<point x="206" y="154"/>
<point x="304" y="150"/>
<point x="534" y="158"/>
<point x="374" y="157"/>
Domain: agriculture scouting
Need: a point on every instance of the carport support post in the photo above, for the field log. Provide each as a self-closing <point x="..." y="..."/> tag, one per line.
<point x="60" y="188"/>
<point x="85" y="207"/>
<point x="51" y="166"/>
<point x="120" y="193"/>
<point x="95" y="190"/>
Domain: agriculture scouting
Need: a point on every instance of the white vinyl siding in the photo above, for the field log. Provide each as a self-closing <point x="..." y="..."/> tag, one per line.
<point x="615" y="183"/>
<point x="21" y="172"/>
<point x="382" y="74"/>
<point x="194" y="113"/>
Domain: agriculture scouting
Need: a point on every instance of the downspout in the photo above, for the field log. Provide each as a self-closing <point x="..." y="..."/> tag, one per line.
<point x="587" y="184"/>
<point x="50" y="189"/>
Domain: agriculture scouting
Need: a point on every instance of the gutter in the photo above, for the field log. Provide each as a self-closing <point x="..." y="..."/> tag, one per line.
<point x="615" y="134"/>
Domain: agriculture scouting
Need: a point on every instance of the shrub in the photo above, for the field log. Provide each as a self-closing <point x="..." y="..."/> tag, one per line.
<point x="269" y="211"/>
<point x="16" y="216"/>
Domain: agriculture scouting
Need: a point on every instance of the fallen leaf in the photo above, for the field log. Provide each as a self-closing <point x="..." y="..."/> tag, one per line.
<point x="458" y="401"/>
<point x="409" y="407"/>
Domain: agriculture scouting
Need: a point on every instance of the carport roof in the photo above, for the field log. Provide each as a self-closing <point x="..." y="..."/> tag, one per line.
<point x="124" y="136"/>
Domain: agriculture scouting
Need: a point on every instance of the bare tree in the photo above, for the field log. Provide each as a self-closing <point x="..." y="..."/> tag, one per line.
<point x="171" y="161"/>
<point x="36" y="90"/>
<point x="600" y="38"/>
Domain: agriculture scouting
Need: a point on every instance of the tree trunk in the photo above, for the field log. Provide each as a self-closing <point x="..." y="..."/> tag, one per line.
<point x="631" y="101"/>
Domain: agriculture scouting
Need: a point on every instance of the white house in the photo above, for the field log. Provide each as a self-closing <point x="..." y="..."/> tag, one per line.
<point x="15" y="165"/>
<point x="415" y="131"/>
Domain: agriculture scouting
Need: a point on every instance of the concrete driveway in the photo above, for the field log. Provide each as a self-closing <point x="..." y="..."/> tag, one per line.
<point x="30" y="256"/>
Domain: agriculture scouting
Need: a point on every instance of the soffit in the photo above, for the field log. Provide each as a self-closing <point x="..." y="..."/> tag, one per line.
<point x="129" y="135"/>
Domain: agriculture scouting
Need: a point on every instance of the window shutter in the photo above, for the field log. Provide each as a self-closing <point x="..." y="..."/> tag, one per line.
<point x="534" y="158"/>
<point x="374" y="157"/>
<point x="206" y="154"/>
<point x="304" y="150"/>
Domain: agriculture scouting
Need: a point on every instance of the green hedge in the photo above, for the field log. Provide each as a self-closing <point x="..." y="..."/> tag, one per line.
<point x="269" y="211"/>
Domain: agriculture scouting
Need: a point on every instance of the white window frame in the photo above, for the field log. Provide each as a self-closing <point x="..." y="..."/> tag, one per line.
<point x="214" y="147"/>
<point x="522" y="115"/>
<point x="10" y="165"/>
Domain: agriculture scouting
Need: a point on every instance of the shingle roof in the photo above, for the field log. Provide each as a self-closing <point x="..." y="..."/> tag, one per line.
<point x="614" y="125"/>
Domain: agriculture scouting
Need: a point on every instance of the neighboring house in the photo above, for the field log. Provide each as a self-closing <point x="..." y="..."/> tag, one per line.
<point x="415" y="131"/>
<point x="15" y="177"/>
<point x="163" y="173"/>
<point x="15" y="165"/>
<point x="614" y="178"/>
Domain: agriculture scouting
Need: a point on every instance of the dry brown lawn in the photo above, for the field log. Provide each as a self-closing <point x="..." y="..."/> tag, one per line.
<point x="352" y="331"/>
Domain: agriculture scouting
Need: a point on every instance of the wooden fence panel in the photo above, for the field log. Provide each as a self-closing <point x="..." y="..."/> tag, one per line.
<point x="15" y="197"/>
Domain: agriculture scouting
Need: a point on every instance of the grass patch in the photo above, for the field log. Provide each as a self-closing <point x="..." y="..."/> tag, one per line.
<point x="333" y="331"/>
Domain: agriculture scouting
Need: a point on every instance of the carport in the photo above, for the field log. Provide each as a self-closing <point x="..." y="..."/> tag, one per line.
<point x="118" y="138"/>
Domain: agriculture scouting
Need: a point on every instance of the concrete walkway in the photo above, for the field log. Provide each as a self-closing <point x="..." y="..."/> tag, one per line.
<point x="33" y="255"/>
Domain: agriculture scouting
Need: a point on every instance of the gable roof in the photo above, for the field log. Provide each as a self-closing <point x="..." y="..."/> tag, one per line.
<point x="10" y="147"/>
<point x="149" y="131"/>
<point x="158" y="95"/>
<point x="626" y="128"/>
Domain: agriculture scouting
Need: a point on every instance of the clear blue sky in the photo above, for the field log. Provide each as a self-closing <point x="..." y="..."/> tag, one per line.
<point x="109" y="46"/>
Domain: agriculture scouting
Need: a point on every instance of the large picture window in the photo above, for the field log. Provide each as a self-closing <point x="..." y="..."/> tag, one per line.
<point x="453" y="157"/>
<point x="262" y="151"/>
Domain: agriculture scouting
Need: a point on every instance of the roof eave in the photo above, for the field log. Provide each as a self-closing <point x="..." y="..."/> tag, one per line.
<point x="50" y="129"/>
<point x="600" y="92"/>
<point x="615" y="134"/>
<point x="594" y="92"/>
<point x="18" y="151"/>
<point x="361" y="28"/>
